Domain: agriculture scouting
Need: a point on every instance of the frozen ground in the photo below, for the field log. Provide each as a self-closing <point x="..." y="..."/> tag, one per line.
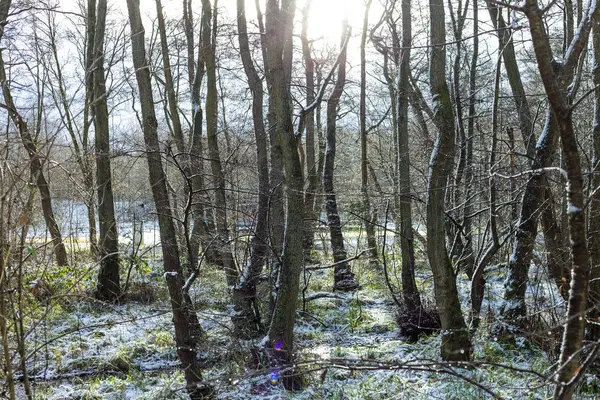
<point x="92" y="351"/>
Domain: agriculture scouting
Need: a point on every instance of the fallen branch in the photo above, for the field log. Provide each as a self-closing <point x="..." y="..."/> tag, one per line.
<point x="324" y="295"/>
<point x="319" y="266"/>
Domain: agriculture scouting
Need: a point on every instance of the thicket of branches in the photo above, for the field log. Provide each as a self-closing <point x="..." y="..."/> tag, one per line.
<point x="461" y="128"/>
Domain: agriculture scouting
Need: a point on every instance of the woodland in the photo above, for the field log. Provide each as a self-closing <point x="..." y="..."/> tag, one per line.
<point x="300" y="199"/>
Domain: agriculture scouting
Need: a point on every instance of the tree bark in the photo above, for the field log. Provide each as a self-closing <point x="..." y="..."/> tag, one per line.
<point x="36" y="161"/>
<point x="278" y="38"/>
<point x="202" y="229"/>
<point x="188" y="332"/>
<point x="108" y="287"/>
<point x="513" y="74"/>
<point x="367" y="214"/>
<point x="455" y="194"/>
<point x="468" y="252"/>
<point x="513" y="308"/>
<point x="247" y="321"/>
<point x="311" y="157"/>
<point x="580" y="270"/>
<point x="208" y="56"/>
<point x="594" y="213"/>
<point x="455" y="337"/>
<point x="81" y="151"/>
<point x="343" y="276"/>
<point x="410" y="293"/>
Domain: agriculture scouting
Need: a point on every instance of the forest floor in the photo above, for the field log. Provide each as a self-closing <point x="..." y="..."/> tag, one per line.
<point x="82" y="349"/>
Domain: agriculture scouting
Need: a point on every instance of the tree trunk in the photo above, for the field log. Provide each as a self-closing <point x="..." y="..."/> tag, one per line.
<point x="455" y="337"/>
<point x="455" y="196"/>
<point x="557" y="255"/>
<point x="208" y="56"/>
<point x="108" y="287"/>
<point x="367" y="215"/>
<point x="188" y="332"/>
<point x="513" y="74"/>
<point x="594" y="213"/>
<point x="311" y="158"/>
<point x="202" y="229"/>
<point x="468" y="256"/>
<point x="580" y="272"/>
<point x="247" y="321"/>
<point x="513" y="308"/>
<point x="81" y="152"/>
<point x="279" y="64"/>
<point x="343" y="276"/>
<point x="35" y="159"/>
<point x="410" y="293"/>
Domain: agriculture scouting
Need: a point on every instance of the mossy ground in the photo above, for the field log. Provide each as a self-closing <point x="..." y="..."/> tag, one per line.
<point x="89" y="350"/>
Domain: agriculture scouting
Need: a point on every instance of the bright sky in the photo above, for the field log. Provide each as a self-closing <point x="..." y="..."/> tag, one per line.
<point x="326" y="16"/>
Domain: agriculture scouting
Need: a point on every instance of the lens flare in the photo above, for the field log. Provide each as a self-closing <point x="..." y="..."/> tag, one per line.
<point x="278" y="345"/>
<point x="274" y="377"/>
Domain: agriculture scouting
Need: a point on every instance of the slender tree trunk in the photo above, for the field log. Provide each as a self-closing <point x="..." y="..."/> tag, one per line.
<point x="211" y="107"/>
<point x="594" y="213"/>
<point x="580" y="271"/>
<point x="410" y="293"/>
<point x="188" y="332"/>
<point x="468" y="252"/>
<point x="278" y="37"/>
<point x="455" y="187"/>
<point x="276" y="177"/>
<point x="276" y="219"/>
<point x="343" y="276"/>
<point x="318" y="206"/>
<point x="35" y="160"/>
<point x="81" y="151"/>
<point x="108" y="287"/>
<point x="513" y="308"/>
<point x="513" y="74"/>
<point x="455" y="337"/>
<point x="4" y="283"/>
<point x="367" y="215"/>
<point x="170" y="86"/>
<point x="478" y="279"/>
<point x="88" y="112"/>
<point x="247" y="321"/>
<point x="311" y="159"/>
<point x="202" y="229"/>
<point x="558" y="255"/>
<point x="180" y="155"/>
<point x="276" y="170"/>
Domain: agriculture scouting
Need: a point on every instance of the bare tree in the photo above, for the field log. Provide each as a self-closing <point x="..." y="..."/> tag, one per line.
<point x="247" y="318"/>
<point x="559" y="100"/>
<point x="367" y="217"/>
<point x="189" y="334"/>
<point x="311" y="156"/>
<point x="108" y="247"/>
<point x="514" y="310"/>
<point x="594" y="201"/>
<point x="79" y="138"/>
<point x="209" y="57"/>
<point x="36" y="159"/>
<point x="343" y="276"/>
<point x="278" y="41"/>
<point x="410" y="293"/>
<point x="455" y="337"/>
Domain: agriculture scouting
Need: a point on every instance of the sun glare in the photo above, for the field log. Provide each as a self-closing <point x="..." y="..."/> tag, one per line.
<point x="327" y="17"/>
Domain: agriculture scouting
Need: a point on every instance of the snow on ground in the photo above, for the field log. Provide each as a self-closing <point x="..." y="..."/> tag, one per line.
<point x="127" y="351"/>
